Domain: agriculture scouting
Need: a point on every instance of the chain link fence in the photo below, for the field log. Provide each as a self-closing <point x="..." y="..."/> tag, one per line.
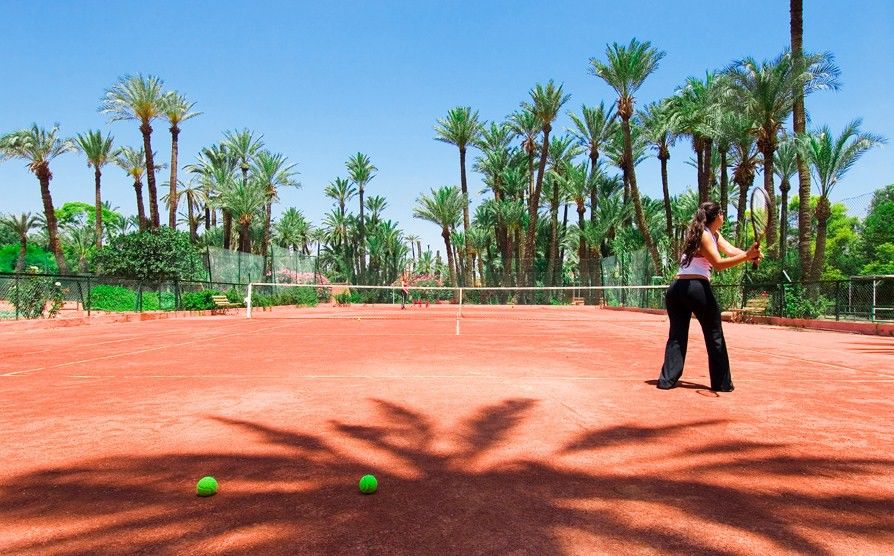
<point x="30" y="296"/>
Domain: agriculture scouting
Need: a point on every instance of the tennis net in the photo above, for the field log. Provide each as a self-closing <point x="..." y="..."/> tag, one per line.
<point x="348" y="301"/>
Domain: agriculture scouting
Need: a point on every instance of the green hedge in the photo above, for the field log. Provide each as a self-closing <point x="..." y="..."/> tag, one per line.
<point x="121" y="299"/>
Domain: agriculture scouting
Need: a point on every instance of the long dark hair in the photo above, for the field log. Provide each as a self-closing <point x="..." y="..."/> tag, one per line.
<point x="706" y="214"/>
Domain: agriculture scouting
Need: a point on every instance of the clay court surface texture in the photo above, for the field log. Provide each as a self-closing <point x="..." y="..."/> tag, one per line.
<point x="535" y="431"/>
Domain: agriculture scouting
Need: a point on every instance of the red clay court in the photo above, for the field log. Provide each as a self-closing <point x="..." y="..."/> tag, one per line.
<point x="534" y="431"/>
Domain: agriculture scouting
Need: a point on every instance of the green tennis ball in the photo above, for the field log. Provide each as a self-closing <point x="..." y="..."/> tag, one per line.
<point x="207" y="486"/>
<point x="368" y="484"/>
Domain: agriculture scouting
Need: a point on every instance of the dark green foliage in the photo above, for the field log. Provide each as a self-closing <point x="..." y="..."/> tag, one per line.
<point x="34" y="256"/>
<point x="122" y="299"/>
<point x="800" y="304"/>
<point x="151" y="255"/>
<point x="199" y="301"/>
<point x="297" y="296"/>
<point x="113" y="298"/>
<point x="878" y="228"/>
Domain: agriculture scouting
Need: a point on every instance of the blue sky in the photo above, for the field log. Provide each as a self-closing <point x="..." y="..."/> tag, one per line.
<point x="322" y="82"/>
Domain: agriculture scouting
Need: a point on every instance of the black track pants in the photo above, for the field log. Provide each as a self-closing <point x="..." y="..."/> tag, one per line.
<point x="683" y="298"/>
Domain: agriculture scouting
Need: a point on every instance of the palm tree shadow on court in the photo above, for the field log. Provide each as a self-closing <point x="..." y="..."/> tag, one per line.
<point x="296" y="493"/>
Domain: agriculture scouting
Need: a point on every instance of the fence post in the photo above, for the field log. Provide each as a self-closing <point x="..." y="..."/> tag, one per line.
<point x="874" y="299"/>
<point x="176" y="294"/>
<point x="89" y="298"/>
<point x="140" y="296"/>
<point x="838" y="300"/>
<point x="18" y="293"/>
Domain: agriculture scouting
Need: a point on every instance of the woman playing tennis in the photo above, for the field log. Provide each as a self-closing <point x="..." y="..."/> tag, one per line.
<point x="691" y="293"/>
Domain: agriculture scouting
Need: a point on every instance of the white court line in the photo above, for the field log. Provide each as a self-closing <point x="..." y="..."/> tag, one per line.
<point x="132" y="352"/>
<point x="770" y="354"/>
<point x="142" y="336"/>
<point x="450" y="377"/>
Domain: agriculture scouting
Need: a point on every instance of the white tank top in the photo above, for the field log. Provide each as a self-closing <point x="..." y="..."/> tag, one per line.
<point x="698" y="265"/>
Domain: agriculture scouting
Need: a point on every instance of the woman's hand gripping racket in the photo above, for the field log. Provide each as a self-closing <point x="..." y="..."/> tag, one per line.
<point x="759" y="205"/>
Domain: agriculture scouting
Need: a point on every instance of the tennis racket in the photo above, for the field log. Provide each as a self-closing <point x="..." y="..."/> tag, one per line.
<point x="760" y="205"/>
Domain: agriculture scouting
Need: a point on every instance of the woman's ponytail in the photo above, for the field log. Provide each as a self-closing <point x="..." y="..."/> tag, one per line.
<point x="705" y="215"/>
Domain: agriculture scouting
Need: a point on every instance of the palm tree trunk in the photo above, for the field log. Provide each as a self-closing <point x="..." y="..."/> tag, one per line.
<point x="582" y="244"/>
<point x="97" y="179"/>
<point x="227" y="227"/>
<point x="783" y="221"/>
<point x="709" y="166"/>
<point x="445" y="233"/>
<point x="146" y="130"/>
<point x="799" y="124"/>
<point x="245" y="237"/>
<point x="553" y="233"/>
<point x="23" y="252"/>
<point x="361" y="247"/>
<point x="637" y="201"/>
<point x="700" y="168"/>
<point x="823" y="212"/>
<point x="744" y="186"/>
<point x="771" y="205"/>
<point x="724" y="182"/>
<point x="533" y="207"/>
<point x="265" y="245"/>
<point x="172" y="195"/>
<point x="141" y="210"/>
<point x="561" y="262"/>
<point x="193" y="236"/>
<point x="465" y="191"/>
<point x="663" y="156"/>
<point x="44" y="176"/>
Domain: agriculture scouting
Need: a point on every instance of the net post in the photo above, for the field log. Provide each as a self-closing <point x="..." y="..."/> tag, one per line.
<point x="248" y="302"/>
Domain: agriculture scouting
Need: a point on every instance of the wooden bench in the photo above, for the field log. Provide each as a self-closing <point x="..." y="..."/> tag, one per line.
<point x="756" y="306"/>
<point x="577" y="300"/>
<point x="221" y="304"/>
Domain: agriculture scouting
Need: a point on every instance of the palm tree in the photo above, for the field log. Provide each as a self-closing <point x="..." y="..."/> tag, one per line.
<point x="375" y="205"/>
<point x="525" y="124"/>
<point x="626" y="70"/>
<point x="244" y="200"/>
<point x="546" y="102"/>
<point x="241" y="147"/>
<point x="141" y="98"/>
<point x="785" y="167"/>
<point x="799" y="127"/>
<point x="562" y="151"/>
<point x="831" y="158"/>
<point x="38" y="147"/>
<point x="461" y="128"/>
<point x="79" y="242"/>
<point x="361" y="171"/>
<point x="133" y="162"/>
<point x="211" y="161"/>
<point x="658" y="131"/>
<point x="443" y="208"/>
<point x="766" y="92"/>
<point x="21" y="225"/>
<point x="273" y="172"/>
<point x="341" y="191"/>
<point x="176" y="109"/>
<point x="745" y="161"/>
<point x="292" y="229"/>
<point x="194" y="191"/>
<point x="98" y="150"/>
<point x="593" y="129"/>
<point x="413" y="239"/>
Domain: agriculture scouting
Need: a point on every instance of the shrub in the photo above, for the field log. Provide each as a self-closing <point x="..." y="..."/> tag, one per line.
<point x="199" y="301"/>
<point x="297" y="296"/>
<point x="800" y="304"/>
<point x="37" y="297"/>
<point x="150" y="255"/>
<point x="343" y="298"/>
<point x="113" y="298"/>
